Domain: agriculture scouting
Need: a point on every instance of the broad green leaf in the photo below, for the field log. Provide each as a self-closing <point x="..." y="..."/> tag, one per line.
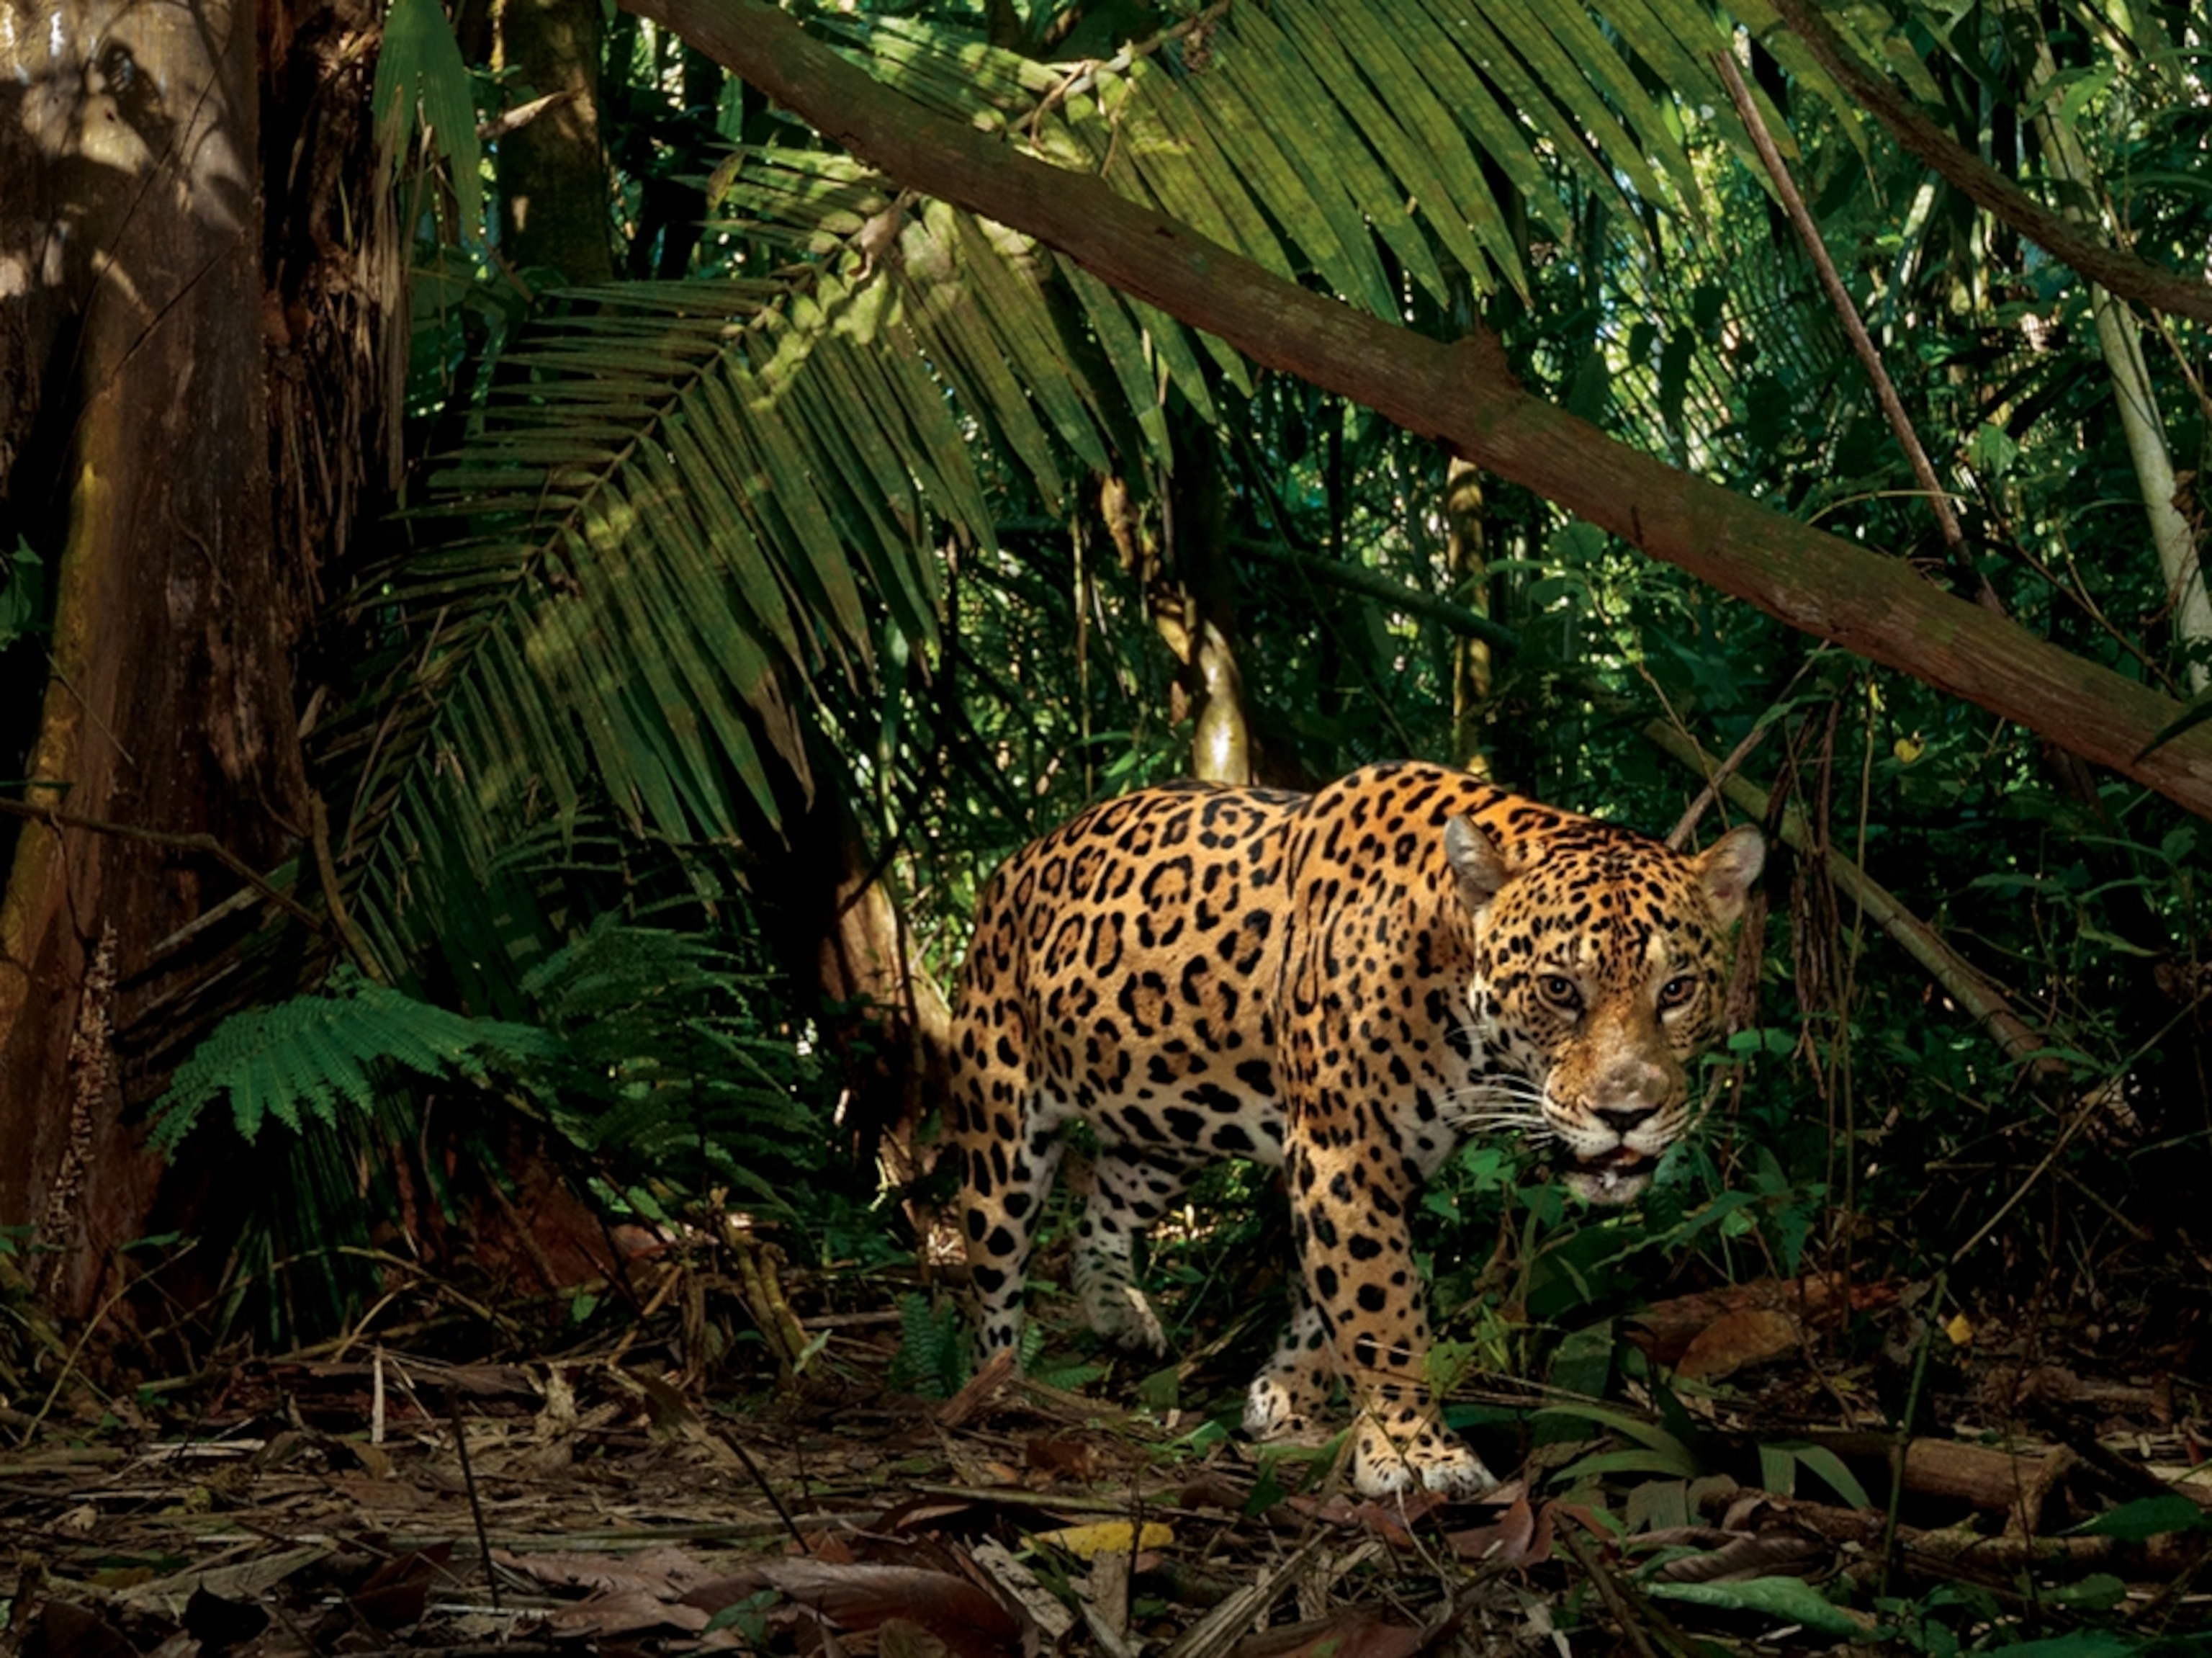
<point x="1820" y="1460"/>
<point x="420" y="74"/>
<point x="1674" y="1462"/>
<point x="1787" y="1599"/>
<point x="2147" y="1516"/>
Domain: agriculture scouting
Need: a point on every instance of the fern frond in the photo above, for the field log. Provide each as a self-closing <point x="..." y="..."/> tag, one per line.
<point x="664" y="1060"/>
<point x="315" y="1056"/>
<point x="933" y="1358"/>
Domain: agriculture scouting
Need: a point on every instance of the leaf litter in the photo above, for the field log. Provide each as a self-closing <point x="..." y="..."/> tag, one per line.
<point x="1746" y="1490"/>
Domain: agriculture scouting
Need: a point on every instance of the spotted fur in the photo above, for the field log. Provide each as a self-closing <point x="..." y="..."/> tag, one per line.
<point x="1347" y="984"/>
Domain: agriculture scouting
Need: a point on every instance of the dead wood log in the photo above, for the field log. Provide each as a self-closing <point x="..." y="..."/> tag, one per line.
<point x="1957" y="1553"/>
<point x="1988" y="1478"/>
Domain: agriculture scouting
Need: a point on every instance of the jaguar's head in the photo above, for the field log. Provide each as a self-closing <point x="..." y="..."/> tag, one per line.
<point x="1600" y="961"/>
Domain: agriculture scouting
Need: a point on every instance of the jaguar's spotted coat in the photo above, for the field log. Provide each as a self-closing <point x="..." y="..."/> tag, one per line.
<point x="1345" y="983"/>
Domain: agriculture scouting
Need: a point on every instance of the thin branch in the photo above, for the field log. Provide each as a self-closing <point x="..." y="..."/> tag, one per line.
<point x="1374" y="584"/>
<point x="327" y="868"/>
<point x="57" y="819"/>
<point x="2020" y="1040"/>
<point x="1847" y="311"/>
<point x="2124" y="273"/>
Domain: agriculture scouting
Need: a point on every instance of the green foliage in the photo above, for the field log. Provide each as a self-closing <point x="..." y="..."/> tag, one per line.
<point x="302" y="1061"/>
<point x="2148" y="1517"/>
<point x="1787" y="1600"/>
<point x="22" y="593"/>
<point x="421" y="79"/>
<point x="935" y="1345"/>
<point x="814" y="513"/>
<point x="659" y="1062"/>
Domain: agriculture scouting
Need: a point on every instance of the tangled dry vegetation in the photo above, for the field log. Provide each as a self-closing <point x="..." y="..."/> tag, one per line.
<point x="375" y="1500"/>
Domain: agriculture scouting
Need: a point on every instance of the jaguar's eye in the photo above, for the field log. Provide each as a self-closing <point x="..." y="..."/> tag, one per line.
<point x="1560" y="991"/>
<point x="1677" y="991"/>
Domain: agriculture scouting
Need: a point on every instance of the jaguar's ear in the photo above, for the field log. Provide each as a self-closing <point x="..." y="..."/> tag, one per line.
<point x="1475" y="862"/>
<point x="1726" y="870"/>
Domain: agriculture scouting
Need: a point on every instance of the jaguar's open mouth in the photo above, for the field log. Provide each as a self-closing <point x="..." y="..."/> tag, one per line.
<point x="1619" y="1174"/>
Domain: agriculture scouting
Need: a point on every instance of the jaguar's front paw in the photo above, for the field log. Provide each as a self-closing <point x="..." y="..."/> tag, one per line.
<point x="1413" y="1454"/>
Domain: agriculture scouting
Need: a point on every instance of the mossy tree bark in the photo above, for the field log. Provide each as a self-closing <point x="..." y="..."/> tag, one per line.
<point x="1468" y="557"/>
<point x="134" y="438"/>
<point x="552" y="170"/>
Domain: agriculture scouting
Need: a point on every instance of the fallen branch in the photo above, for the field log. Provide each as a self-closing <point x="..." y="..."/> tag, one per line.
<point x="1465" y="395"/>
<point x="1954" y="1553"/>
<point x="1986" y="1477"/>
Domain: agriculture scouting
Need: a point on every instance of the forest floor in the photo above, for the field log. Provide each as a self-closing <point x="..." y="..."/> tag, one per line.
<point x="376" y="1500"/>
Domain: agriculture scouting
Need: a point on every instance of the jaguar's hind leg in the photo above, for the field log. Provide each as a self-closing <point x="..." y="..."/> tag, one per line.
<point x="1009" y="1148"/>
<point x="1131" y="1191"/>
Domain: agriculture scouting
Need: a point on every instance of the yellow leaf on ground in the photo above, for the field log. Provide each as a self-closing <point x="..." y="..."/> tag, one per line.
<point x="1108" y="1536"/>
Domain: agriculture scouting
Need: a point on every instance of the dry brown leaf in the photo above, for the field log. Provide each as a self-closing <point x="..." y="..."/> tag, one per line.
<point x="1521" y="1536"/>
<point x="216" y="1621"/>
<point x="626" y="1611"/>
<point x="1665" y="1330"/>
<point x="902" y="1637"/>
<point x="65" y="1630"/>
<point x="1210" y="1488"/>
<point x="1387" y="1520"/>
<point x="668" y="1572"/>
<point x="970" y="1621"/>
<point x="1734" y="1340"/>
<point x="1354" y="1632"/>
<point x="395" y="1593"/>
<point x="1062" y="1456"/>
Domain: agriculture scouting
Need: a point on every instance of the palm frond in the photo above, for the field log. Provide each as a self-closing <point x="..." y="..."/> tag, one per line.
<point x="1365" y="144"/>
<point x="690" y="506"/>
<point x="689" y="503"/>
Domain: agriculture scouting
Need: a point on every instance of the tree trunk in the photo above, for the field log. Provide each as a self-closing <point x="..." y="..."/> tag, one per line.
<point x="1465" y="395"/>
<point x="552" y="171"/>
<point x="1190" y="595"/>
<point x="1468" y="558"/>
<point x="835" y="927"/>
<point x="133" y="363"/>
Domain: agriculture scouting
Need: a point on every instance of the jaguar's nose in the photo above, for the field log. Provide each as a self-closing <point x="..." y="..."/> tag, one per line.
<point x="1624" y="1118"/>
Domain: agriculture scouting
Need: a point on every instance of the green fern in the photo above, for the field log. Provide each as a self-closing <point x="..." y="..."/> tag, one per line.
<point x="315" y="1055"/>
<point x="933" y="1358"/>
<point x="666" y="1062"/>
<point x="1068" y="1378"/>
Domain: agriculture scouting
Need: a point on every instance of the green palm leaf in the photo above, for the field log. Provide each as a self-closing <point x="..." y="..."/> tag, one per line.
<point x="689" y="504"/>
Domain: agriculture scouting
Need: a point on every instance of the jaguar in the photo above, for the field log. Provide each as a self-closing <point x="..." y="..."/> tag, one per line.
<point x="1345" y="984"/>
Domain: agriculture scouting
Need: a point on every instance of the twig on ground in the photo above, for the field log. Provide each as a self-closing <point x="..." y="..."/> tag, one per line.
<point x="475" y="1498"/>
